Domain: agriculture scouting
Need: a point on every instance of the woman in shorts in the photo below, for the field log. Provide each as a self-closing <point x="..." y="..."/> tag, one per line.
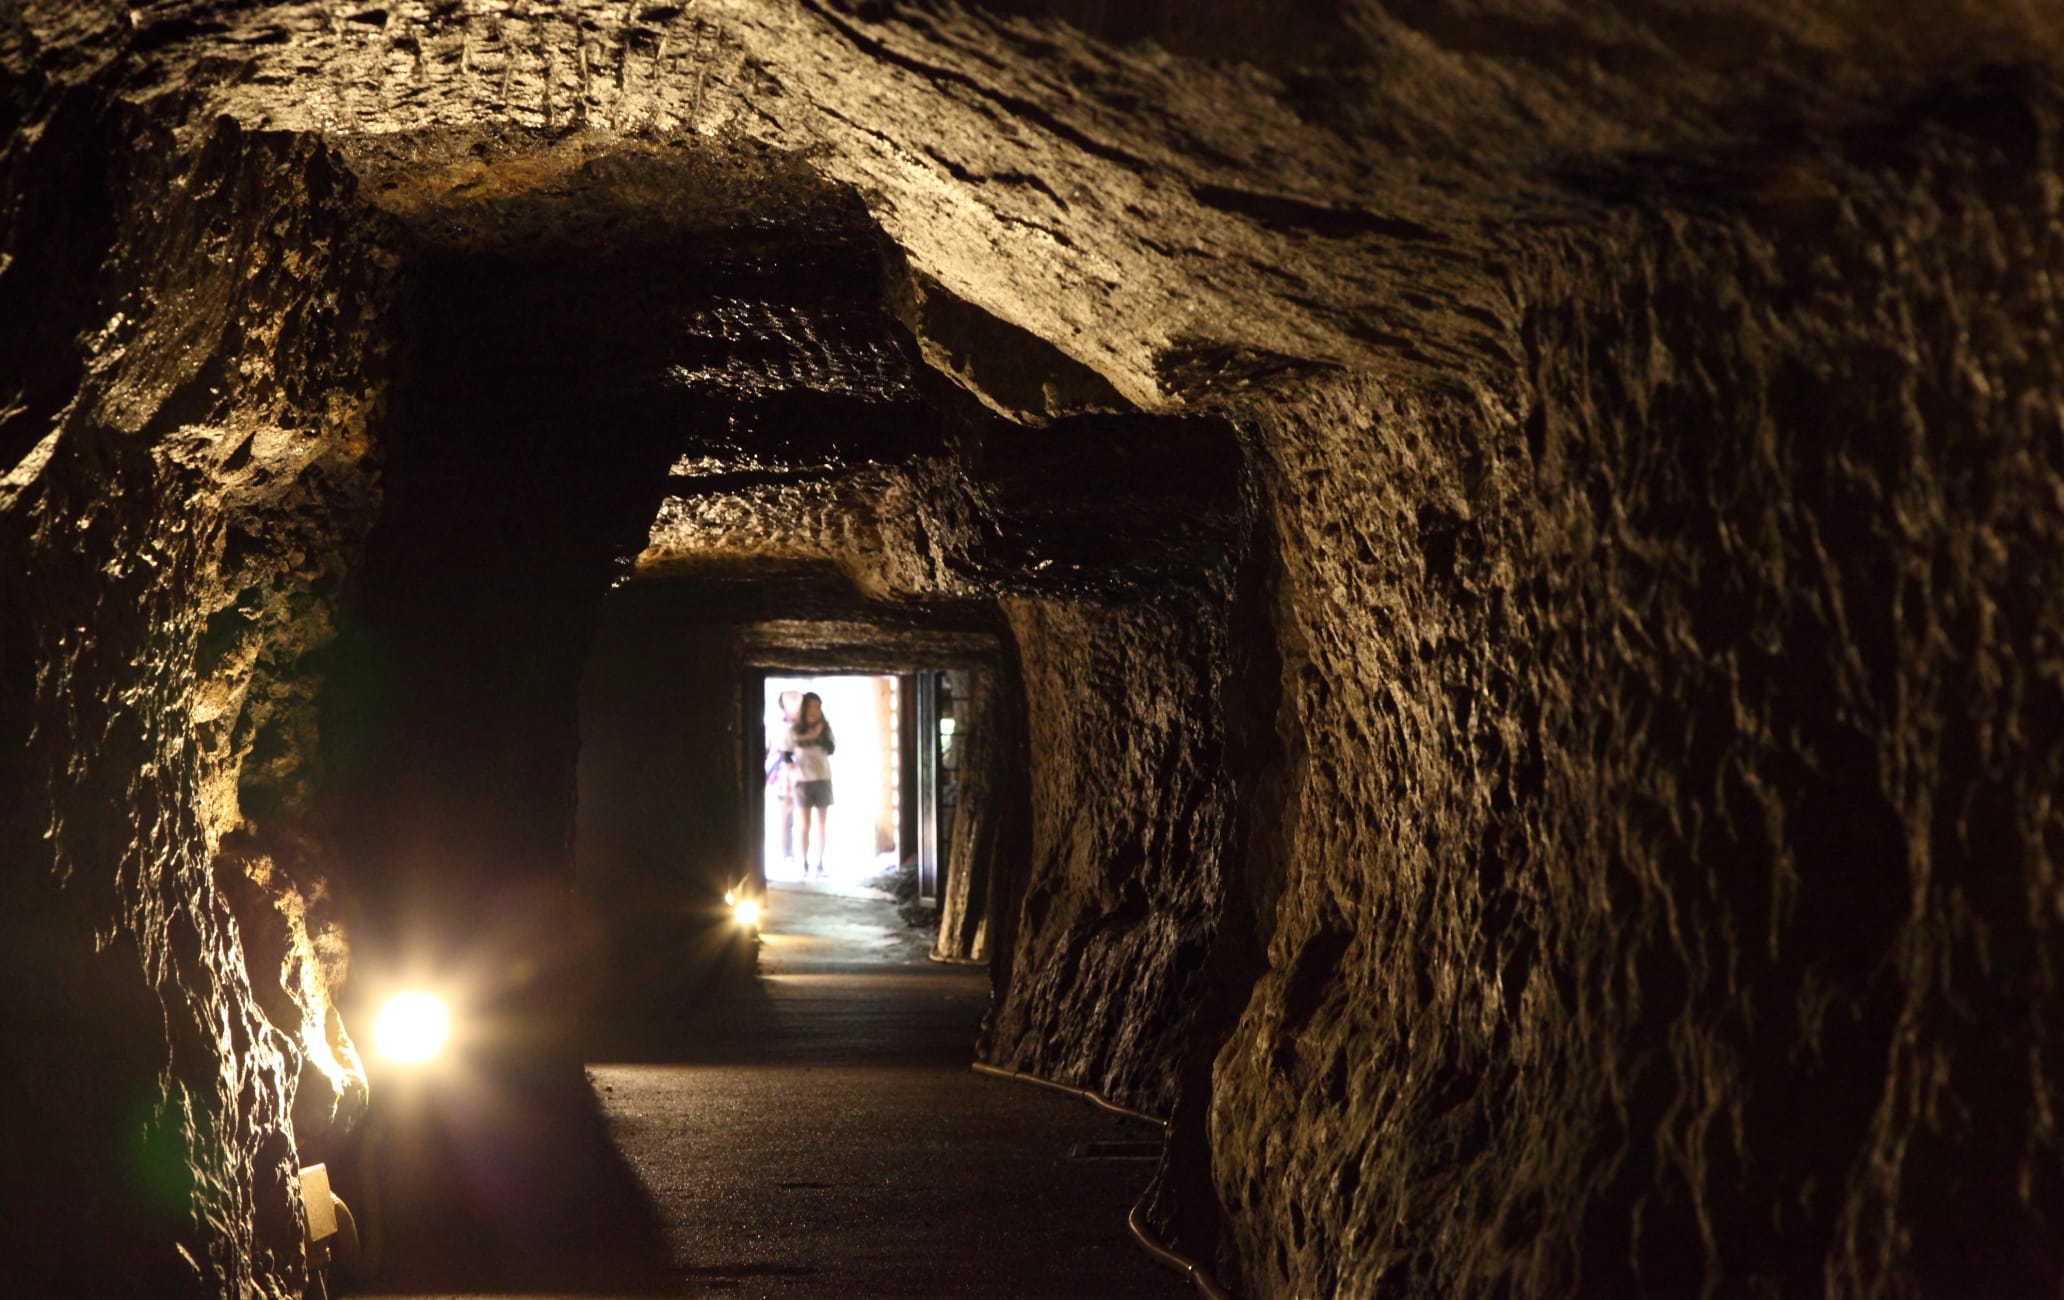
<point x="809" y="739"/>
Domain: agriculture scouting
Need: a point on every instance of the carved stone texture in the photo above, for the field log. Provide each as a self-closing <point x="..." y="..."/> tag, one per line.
<point x="175" y="528"/>
<point x="1542" y="683"/>
<point x="1129" y="820"/>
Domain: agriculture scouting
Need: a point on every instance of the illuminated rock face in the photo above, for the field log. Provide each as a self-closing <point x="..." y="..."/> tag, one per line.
<point x="1690" y="756"/>
<point x="1530" y="549"/>
<point x="175" y="529"/>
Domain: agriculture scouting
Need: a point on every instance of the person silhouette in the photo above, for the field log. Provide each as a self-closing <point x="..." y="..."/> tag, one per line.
<point x="809" y="738"/>
<point x="780" y="769"/>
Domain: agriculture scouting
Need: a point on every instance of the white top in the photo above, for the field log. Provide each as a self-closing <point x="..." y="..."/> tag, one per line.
<point x="811" y="762"/>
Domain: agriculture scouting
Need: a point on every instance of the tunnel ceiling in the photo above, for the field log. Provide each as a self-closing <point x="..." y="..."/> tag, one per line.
<point x="1153" y="228"/>
<point x="828" y="439"/>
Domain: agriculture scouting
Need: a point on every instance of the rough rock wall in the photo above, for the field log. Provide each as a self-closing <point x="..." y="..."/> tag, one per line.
<point x="1129" y="822"/>
<point x="1672" y="901"/>
<point x="989" y="818"/>
<point x="1440" y="242"/>
<point x="296" y="951"/>
<point x="173" y="528"/>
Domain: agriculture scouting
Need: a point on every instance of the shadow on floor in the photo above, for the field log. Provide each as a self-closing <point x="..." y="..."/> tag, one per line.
<point x="514" y="1188"/>
<point x="839" y="978"/>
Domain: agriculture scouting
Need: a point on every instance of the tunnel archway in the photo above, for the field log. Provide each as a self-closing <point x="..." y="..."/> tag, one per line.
<point x="671" y="808"/>
<point x="649" y="452"/>
<point x="1575" y="497"/>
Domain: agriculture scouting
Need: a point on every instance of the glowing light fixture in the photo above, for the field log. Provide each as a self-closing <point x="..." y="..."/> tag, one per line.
<point x="747" y="910"/>
<point x="411" y="1029"/>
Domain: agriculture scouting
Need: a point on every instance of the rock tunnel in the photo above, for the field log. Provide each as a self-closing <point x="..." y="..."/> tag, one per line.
<point x="1513" y="551"/>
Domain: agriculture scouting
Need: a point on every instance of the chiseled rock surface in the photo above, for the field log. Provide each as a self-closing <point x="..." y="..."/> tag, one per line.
<point x="174" y="528"/>
<point x="1671" y="901"/>
<point x="1129" y="823"/>
<point x="1647" y="420"/>
<point x="296" y="954"/>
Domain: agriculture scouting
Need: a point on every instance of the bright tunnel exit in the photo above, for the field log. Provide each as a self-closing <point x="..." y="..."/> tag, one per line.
<point x="858" y="826"/>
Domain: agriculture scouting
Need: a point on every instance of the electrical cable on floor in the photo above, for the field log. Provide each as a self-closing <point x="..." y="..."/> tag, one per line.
<point x="1082" y="1094"/>
<point x="1200" y="1277"/>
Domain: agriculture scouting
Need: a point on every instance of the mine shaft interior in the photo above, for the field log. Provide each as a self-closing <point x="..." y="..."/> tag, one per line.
<point x="1443" y="622"/>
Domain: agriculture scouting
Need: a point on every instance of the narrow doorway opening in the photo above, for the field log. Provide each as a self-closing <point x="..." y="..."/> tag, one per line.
<point x="870" y="818"/>
<point x="833" y="794"/>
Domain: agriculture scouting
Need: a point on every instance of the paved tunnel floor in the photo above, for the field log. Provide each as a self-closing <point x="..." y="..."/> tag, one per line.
<point x="823" y="1136"/>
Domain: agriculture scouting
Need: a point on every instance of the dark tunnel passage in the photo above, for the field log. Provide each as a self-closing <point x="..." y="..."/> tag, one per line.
<point x="1500" y="569"/>
<point x="629" y="463"/>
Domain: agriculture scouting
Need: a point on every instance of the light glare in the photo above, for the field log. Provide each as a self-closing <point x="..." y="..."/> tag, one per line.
<point x="411" y="1029"/>
<point x="747" y="911"/>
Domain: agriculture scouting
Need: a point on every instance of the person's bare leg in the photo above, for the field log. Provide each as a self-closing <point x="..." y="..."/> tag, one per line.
<point x="813" y="828"/>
